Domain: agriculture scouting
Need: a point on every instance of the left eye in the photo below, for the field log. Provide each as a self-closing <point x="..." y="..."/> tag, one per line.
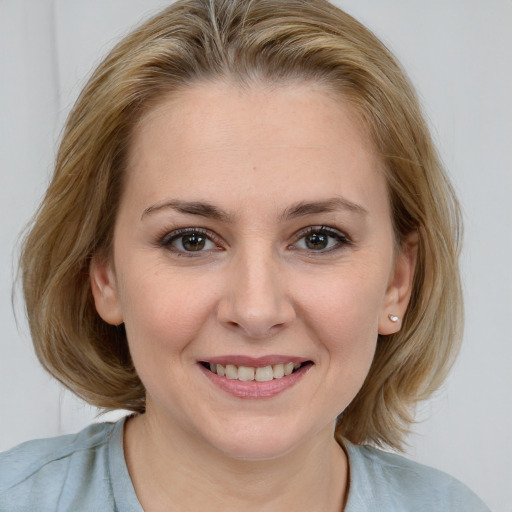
<point x="190" y="241"/>
<point x="321" y="240"/>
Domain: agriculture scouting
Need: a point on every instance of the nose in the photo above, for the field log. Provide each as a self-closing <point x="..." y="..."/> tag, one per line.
<point x="256" y="302"/>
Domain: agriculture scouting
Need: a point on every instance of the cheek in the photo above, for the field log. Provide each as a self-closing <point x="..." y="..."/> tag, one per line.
<point x="342" y="315"/>
<point x="343" y="312"/>
<point x="163" y="313"/>
<point x="163" y="316"/>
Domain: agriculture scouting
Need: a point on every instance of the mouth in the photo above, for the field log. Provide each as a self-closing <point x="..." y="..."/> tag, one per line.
<point x="265" y="373"/>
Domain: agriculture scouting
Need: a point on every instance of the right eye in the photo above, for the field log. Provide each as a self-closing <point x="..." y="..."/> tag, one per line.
<point x="188" y="241"/>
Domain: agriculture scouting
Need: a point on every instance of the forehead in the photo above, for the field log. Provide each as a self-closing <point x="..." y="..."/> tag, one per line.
<point x="291" y="139"/>
<point x="229" y="106"/>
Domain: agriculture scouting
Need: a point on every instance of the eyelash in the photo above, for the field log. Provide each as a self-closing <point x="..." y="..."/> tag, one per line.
<point x="342" y="240"/>
<point x="170" y="237"/>
<point x="167" y="240"/>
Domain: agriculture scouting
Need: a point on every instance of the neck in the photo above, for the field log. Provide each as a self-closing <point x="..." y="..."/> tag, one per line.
<point x="171" y="469"/>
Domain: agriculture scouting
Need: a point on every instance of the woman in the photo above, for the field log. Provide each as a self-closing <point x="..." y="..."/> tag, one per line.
<point x="250" y="243"/>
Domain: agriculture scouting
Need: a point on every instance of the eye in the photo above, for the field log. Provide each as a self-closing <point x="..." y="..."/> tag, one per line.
<point x="189" y="240"/>
<point x="321" y="239"/>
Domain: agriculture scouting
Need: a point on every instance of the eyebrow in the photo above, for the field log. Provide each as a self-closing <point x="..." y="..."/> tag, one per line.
<point x="200" y="208"/>
<point x="300" y="209"/>
<point x="334" y="204"/>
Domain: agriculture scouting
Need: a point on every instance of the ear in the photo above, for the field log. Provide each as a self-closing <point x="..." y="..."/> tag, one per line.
<point x="104" y="289"/>
<point x="399" y="287"/>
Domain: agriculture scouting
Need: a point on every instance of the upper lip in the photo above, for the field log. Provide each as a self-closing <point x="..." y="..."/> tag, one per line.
<point x="255" y="362"/>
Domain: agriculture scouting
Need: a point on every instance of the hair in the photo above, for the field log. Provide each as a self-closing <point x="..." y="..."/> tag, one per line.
<point x="245" y="42"/>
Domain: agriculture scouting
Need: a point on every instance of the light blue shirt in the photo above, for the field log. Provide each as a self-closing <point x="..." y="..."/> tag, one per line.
<point x="87" y="472"/>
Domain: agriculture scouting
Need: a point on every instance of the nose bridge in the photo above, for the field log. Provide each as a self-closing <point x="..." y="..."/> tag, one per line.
<point x="257" y="303"/>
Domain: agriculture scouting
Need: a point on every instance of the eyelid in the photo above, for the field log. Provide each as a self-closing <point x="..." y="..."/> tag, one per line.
<point x="342" y="238"/>
<point x="170" y="235"/>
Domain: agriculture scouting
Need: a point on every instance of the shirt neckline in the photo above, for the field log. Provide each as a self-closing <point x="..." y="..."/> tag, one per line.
<point x="125" y="499"/>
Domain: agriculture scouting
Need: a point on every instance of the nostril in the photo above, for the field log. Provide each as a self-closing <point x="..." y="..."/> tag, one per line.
<point x="255" y="331"/>
<point x="255" y="320"/>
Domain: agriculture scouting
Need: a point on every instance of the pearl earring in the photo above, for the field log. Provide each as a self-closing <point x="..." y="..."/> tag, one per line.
<point x="393" y="318"/>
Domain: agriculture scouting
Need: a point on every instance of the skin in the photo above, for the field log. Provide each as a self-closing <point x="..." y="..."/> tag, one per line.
<point x="256" y="288"/>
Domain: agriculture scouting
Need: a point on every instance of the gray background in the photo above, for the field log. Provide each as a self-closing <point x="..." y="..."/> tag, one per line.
<point x="459" y="54"/>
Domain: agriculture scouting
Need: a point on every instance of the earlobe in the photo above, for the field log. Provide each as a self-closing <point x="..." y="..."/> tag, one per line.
<point x="104" y="290"/>
<point x="400" y="286"/>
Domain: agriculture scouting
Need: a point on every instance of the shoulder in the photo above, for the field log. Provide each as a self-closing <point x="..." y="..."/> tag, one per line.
<point x="390" y="482"/>
<point x="49" y="474"/>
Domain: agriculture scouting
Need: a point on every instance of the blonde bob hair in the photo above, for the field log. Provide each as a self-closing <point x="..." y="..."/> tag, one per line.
<point x="245" y="42"/>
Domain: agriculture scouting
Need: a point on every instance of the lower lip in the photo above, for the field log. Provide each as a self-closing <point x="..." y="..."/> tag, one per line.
<point x="254" y="389"/>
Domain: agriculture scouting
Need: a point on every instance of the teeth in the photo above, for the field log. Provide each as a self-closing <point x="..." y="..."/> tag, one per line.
<point x="264" y="374"/>
<point x="260" y="374"/>
<point x="231" y="371"/>
<point x="288" y="368"/>
<point x="245" y="373"/>
<point x="278" y="371"/>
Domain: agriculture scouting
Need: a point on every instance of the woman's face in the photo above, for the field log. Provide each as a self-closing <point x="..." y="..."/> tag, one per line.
<point x="254" y="234"/>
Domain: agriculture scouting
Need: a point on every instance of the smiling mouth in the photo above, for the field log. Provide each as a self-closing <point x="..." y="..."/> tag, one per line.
<point x="258" y="374"/>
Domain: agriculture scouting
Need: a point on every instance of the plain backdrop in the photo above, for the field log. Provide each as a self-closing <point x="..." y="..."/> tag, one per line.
<point x="458" y="53"/>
